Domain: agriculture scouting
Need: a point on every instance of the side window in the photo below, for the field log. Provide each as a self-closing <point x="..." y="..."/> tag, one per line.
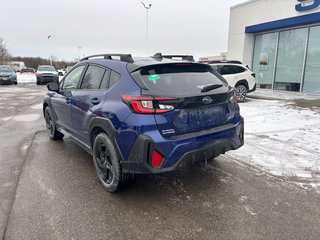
<point x="114" y="78"/>
<point x="105" y="80"/>
<point x="226" y="70"/>
<point x="72" y="79"/>
<point x="239" y="69"/>
<point x="92" y="78"/>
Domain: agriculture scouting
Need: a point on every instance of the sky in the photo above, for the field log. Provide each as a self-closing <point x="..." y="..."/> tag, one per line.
<point x="86" y="27"/>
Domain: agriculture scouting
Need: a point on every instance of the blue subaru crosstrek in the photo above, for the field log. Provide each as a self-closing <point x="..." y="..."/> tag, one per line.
<point x="143" y="116"/>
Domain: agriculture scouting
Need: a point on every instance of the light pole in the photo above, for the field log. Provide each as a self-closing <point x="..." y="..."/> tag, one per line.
<point x="50" y="55"/>
<point x="80" y="47"/>
<point x="147" y="7"/>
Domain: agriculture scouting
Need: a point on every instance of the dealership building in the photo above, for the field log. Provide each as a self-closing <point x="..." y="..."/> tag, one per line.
<point x="280" y="41"/>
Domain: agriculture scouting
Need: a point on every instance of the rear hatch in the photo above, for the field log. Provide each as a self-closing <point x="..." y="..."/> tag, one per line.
<point x="190" y="97"/>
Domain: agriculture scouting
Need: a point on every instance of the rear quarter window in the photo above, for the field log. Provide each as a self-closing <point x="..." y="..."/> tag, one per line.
<point x="239" y="69"/>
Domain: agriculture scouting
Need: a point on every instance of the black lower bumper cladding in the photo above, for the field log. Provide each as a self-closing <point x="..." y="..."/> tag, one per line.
<point x="139" y="157"/>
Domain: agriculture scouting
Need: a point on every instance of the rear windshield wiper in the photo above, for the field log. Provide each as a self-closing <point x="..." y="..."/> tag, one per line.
<point x="208" y="88"/>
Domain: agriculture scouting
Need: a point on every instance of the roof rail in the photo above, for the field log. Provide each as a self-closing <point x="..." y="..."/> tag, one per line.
<point x="183" y="57"/>
<point x="123" y="57"/>
<point x="225" y="61"/>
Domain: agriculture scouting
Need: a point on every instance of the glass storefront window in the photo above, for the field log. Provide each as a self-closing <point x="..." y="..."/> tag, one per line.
<point x="312" y="71"/>
<point x="290" y="59"/>
<point x="286" y="50"/>
<point x="264" y="57"/>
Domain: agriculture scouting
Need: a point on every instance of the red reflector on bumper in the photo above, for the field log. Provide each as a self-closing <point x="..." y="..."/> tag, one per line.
<point x="156" y="159"/>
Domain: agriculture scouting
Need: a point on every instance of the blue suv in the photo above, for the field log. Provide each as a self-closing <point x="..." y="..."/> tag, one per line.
<point x="142" y="116"/>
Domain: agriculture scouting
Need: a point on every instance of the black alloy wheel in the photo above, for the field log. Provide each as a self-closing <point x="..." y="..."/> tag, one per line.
<point x="54" y="134"/>
<point x="106" y="163"/>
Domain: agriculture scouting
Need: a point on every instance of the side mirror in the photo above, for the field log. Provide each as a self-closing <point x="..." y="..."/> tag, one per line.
<point x="53" y="86"/>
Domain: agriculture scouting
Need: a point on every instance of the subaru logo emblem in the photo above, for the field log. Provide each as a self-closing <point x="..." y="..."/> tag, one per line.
<point x="207" y="100"/>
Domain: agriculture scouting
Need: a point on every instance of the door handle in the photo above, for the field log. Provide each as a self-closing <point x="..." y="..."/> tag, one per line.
<point x="95" y="101"/>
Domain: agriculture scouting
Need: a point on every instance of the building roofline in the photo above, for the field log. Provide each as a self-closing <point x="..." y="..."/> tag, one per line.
<point x="244" y="3"/>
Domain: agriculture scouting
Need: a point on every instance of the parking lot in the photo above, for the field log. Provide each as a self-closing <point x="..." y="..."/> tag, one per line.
<point x="269" y="189"/>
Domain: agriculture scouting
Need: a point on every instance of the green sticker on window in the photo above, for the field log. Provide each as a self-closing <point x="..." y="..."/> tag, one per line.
<point x="154" y="77"/>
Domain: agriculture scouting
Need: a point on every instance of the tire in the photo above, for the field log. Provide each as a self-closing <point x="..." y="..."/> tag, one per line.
<point x="241" y="92"/>
<point x="107" y="164"/>
<point x="54" y="134"/>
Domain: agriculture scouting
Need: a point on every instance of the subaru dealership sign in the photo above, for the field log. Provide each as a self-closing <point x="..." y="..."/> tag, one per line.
<point x="306" y="5"/>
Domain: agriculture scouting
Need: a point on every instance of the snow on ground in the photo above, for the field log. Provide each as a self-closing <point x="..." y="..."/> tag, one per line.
<point x="282" y="95"/>
<point x="281" y="138"/>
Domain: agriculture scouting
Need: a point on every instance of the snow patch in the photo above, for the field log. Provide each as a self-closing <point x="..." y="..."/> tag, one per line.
<point x="6" y="119"/>
<point x="37" y="106"/>
<point x="281" y="139"/>
<point x="27" y="118"/>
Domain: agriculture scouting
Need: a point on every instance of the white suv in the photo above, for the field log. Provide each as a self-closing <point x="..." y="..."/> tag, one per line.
<point x="237" y="75"/>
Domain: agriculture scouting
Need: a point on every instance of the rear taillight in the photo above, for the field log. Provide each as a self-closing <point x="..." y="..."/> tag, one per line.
<point x="156" y="159"/>
<point x="148" y="105"/>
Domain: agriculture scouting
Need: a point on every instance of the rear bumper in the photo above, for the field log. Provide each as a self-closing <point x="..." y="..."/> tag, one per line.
<point x="253" y="89"/>
<point x="178" y="152"/>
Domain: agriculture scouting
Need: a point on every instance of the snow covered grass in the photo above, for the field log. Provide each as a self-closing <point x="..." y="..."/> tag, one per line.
<point x="281" y="138"/>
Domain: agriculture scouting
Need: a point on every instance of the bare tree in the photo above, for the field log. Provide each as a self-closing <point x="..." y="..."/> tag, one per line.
<point x="4" y="53"/>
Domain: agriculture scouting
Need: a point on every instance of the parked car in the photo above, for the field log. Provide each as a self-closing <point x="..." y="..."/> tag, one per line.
<point x="237" y="75"/>
<point x="7" y="75"/>
<point x="46" y="74"/>
<point x="27" y="71"/>
<point x="143" y="116"/>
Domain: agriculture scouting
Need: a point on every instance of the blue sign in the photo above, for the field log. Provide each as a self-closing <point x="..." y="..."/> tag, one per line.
<point x="306" y="5"/>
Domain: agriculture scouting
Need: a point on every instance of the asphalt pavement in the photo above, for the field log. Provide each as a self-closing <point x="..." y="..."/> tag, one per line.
<point x="49" y="190"/>
<point x="20" y="119"/>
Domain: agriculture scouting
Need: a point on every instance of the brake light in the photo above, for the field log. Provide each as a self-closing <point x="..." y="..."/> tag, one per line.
<point x="156" y="159"/>
<point x="148" y="105"/>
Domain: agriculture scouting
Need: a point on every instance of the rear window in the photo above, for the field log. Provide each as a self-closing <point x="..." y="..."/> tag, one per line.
<point x="27" y="70"/>
<point x="46" y="68"/>
<point x="181" y="79"/>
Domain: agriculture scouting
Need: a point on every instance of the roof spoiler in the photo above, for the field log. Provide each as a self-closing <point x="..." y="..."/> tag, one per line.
<point x="123" y="57"/>
<point x="159" y="56"/>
